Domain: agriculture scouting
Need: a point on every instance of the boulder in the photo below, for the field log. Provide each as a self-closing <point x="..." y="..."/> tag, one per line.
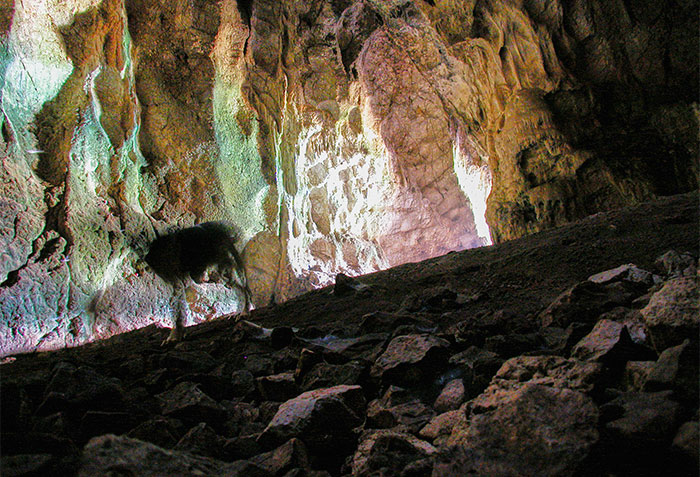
<point x="290" y="455"/>
<point x="609" y="342"/>
<point x="308" y="416"/>
<point x="451" y="396"/>
<point x="629" y="273"/>
<point x="387" y="452"/>
<point x="584" y="302"/>
<point x="188" y="403"/>
<point x="676" y="369"/>
<point x="553" y="437"/>
<point x="103" y="455"/>
<point x="411" y="359"/>
<point x="673" y="313"/>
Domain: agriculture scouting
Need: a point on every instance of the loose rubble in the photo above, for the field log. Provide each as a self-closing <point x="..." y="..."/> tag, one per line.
<point x="603" y="380"/>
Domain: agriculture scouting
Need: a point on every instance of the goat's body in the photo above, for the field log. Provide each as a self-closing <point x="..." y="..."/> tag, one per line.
<point x="185" y="255"/>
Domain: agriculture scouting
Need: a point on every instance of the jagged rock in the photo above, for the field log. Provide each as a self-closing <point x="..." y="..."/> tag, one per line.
<point x="673" y="313"/>
<point x="243" y="383"/>
<point x="161" y="431"/>
<point x="411" y="415"/>
<point x="337" y="350"/>
<point x="633" y="320"/>
<point x="451" y="396"/>
<point x="480" y="366"/>
<point x="324" y="375"/>
<point x="27" y="464"/>
<point x="288" y="456"/>
<point x="411" y="359"/>
<point x="638" y="424"/>
<point x="242" y="447"/>
<point x="677" y="369"/>
<point x="553" y="371"/>
<point x="629" y="273"/>
<point x="81" y="386"/>
<point x="105" y="453"/>
<point x="584" y="302"/>
<point x="278" y="387"/>
<point x="636" y="374"/>
<point x="439" y="429"/>
<point x="187" y="402"/>
<point x="644" y="416"/>
<point x="552" y="438"/>
<point x="388" y="452"/>
<point x="675" y="264"/>
<point x="608" y="342"/>
<point x="687" y="442"/>
<point x="308" y="416"/>
<point x="202" y="440"/>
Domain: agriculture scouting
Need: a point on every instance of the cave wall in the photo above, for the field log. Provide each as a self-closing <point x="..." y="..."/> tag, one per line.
<point x="338" y="136"/>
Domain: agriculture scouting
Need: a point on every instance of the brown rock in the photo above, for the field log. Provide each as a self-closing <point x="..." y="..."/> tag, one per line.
<point x="142" y="458"/>
<point x="388" y="450"/>
<point x="288" y="456"/>
<point x="451" y="396"/>
<point x="308" y="416"/>
<point x="673" y="313"/>
<point x="677" y="369"/>
<point x="552" y="438"/>
<point x="411" y="359"/>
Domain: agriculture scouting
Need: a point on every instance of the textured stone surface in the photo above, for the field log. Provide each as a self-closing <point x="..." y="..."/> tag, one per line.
<point x="673" y="313"/>
<point x="338" y="136"/>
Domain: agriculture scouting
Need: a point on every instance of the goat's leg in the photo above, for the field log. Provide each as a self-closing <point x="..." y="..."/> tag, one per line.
<point x="181" y="307"/>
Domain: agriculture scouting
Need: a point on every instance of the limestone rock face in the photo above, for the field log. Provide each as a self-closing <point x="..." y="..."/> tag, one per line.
<point x="338" y="136"/>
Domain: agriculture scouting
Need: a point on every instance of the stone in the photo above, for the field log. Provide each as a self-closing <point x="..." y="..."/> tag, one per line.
<point x="556" y="434"/>
<point x="102" y="453"/>
<point x="585" y="302"/>
<point x="609" y="341"/>
<point x="324" y="375"/>
<point x="161" y="431"/>
<point x="278" y="387"/>
<point x="336" y="350"/>
<point x="411" y="415"/>
<point x="243" y="383"/>
<point x="636" y="374"/>
<point x="630" y="273"/>
<point x="646" y="420"/>
<point x="307" y="416"/>
<point x="677" y="369"/>
<point x="202" y="440"/>
<point x="687" y="441"/>
<point x="26" y="464"/>
<point x="675" y="264"/>
<point x="673" y="313"/>
<point x="411" y="359"/>
<point x="440" y="427"/>
<point x="451" y="396"/>
<point x="188" y="403"/>
<point x="290" y="455"/>
<point x="388" y="451"/>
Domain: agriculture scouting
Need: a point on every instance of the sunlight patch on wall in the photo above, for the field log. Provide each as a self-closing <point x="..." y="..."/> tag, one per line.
<point x="475" y="181"/>
<point x="339" y="206"/>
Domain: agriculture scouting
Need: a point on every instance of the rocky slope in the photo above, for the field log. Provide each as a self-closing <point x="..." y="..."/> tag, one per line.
<point x="338" y="135"/>
<point x="569" y="352"/>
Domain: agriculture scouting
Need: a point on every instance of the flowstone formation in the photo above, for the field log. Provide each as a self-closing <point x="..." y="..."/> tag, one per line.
<point x="338" y="136"/>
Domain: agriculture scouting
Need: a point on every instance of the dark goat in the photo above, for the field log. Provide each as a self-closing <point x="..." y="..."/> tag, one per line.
<point x="188" y="253"/>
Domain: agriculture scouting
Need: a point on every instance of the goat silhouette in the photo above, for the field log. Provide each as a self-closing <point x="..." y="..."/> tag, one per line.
<point x="188" y="254"/>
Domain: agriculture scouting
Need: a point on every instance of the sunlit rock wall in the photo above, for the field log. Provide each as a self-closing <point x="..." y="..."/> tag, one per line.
<point x="338" y="136"/>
